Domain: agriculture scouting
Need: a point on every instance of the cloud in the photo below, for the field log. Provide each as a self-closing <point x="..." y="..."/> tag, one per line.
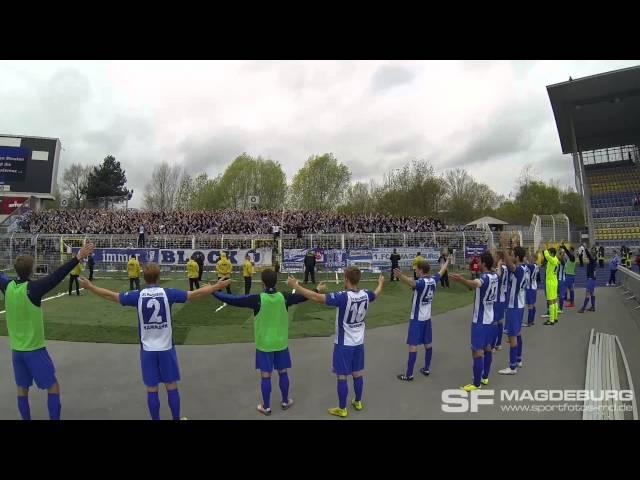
<point x="212" y="153"/>
<point x="510" y="130"/>
<point x="388" y="76"/>
<point x="491" y="117"/>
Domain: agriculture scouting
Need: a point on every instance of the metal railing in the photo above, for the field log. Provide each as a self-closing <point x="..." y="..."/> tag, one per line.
<point x="630" y="283"/>
<point x="50" y="250"/>
<point x="603" y="375"/>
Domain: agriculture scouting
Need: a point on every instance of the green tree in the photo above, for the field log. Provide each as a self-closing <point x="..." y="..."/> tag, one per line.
<point x="572" y="204"/>
<point x="107" y="180"/>
<point x="320" y="184"/>
<point x="206" y="192"/>
<point x="411" y="190"/>
<point x="538" y="197"/>
<point x="247" y="176"/>
<point x="184" y="195"/>
<point x="359" y="198"/>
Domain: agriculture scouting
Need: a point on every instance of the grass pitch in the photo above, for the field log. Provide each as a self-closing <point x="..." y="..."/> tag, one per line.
<point x="88" y="318"/>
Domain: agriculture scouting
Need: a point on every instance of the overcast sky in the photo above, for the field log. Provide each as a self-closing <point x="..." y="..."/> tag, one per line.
<point x="491" y="117"/>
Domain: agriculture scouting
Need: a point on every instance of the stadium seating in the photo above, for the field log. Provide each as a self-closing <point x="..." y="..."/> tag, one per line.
<point x="613" y="187"/>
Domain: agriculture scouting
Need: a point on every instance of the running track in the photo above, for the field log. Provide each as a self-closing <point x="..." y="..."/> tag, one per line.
<point x="102" y="381"/>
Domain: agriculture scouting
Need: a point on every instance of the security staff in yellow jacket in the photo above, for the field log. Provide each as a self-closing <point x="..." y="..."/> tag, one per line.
<point x="247" y="272"/>
<point x="133" y="271"/>
<point x="193" y="272"/>
<point x="223" y="267"/>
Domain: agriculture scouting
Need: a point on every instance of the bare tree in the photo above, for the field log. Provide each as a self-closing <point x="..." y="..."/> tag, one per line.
<point x="161" y="191"/>
<point x="74" y="183"/>
<point x="528" y="174"/>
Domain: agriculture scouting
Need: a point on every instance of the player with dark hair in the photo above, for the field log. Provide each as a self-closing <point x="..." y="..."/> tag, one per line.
<point x="348" y="349"/>
<point x="420" y="333"/>
<point x="532" y="291"/>
<point x="270" y="310"/>
<point x="482" y="323"/>
<point x="25" y="329"/>
<point x="518" y="283"/>
<point x="500" y="305"/>
<point x="590" y="286"/>
<point x="158" y="358"/>
<point x="562" y="278"/>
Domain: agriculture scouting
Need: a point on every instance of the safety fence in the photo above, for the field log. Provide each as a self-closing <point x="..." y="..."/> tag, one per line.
<point x="630" y="283"/>
<point x="172" y="251"/>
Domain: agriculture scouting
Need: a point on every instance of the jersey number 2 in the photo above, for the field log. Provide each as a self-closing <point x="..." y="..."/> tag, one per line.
<point x="155" y="304"/>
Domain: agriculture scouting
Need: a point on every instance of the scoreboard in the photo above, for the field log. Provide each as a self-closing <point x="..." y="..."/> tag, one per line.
<point x="28" y="165"/>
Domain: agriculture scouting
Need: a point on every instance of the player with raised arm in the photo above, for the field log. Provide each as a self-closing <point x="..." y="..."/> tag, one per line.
<point x="158" y="358"/>
<point x="420" y="333"/>
<point x="570" y="275"/>
<point x="348" y="349"/>
<point x="532" y="290"/>
<point x="518" y="283"/>
<point x="551" y="280"/>
<point x="25" y="328"/>
<point x="562" y="277"/>
<point x="482" y="321"/>
<point x="500" y="305"/>
<point x="271" y="332"/>
<point x="590" y="286"/>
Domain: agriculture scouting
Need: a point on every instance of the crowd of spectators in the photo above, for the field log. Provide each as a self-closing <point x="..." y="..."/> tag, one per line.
<point x="114" y="222"/>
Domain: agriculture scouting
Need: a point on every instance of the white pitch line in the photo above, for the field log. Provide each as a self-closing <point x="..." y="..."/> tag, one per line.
<point x="221" y="307"/>
<point x="61" y="294"/>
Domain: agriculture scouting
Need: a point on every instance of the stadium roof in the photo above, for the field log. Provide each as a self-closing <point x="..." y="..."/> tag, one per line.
<point x="605" y="110"/>
<point x="488" y="221"/>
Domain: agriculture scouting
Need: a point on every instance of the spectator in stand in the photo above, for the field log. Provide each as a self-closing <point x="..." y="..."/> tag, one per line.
<point x="118" y="222"/>
<point x="141" y="236"/>
<point x="474" y="267"/>
<point x="638" y="261"/>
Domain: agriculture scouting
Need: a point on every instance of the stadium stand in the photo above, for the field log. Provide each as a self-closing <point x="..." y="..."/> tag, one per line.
<point x="247" y="222"/>
<point x="598" y="122"/>
<point x="614" y="186"/>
